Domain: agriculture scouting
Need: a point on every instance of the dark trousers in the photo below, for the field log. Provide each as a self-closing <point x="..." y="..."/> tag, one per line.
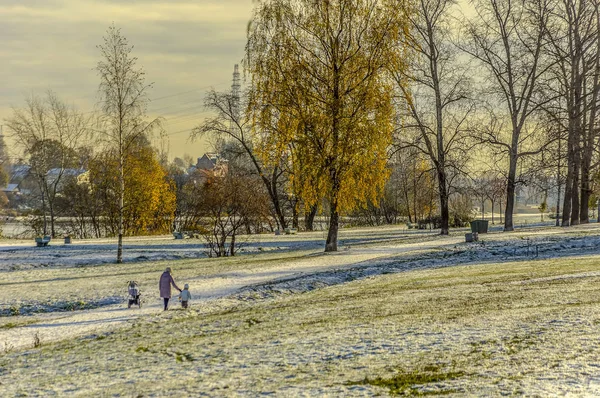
<point x="166" y="302"/>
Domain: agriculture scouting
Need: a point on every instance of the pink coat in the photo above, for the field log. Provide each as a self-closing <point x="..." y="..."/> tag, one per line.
<point x="166" y="280"/>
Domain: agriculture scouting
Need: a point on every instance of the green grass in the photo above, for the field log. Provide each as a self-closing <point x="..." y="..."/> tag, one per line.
<point x="407" y="382"/>
<point x="17" y="324"/>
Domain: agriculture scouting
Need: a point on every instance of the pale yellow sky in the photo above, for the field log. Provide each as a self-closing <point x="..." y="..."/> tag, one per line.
<point x="185" y="46"/>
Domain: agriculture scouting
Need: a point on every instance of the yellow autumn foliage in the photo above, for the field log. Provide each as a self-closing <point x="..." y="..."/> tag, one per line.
<point x="149" y="202"/>
<point x="321" y="94"/>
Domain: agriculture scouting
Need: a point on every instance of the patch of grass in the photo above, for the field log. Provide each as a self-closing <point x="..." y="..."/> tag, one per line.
<point x="252" y="321"/>
<point x="12" y="325"/>
<point x="181" y="356"/>
<point x="141" y="349"/>
<point x="404" y="382"/>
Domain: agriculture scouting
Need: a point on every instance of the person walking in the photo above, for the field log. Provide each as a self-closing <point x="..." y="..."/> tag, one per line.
<point x="185" y="296"/>
<point x="164" y="285"/>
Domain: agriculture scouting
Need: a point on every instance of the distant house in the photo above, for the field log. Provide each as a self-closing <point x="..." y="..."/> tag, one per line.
<point x="19" y="172"/>
<point x="208" y="161"/>
<point x="12" y="189"/>
<point x="53" y="174"/>
<point x="20" y="180"/>
<point x="210" y="165"/>
<point x="83" y="178"/>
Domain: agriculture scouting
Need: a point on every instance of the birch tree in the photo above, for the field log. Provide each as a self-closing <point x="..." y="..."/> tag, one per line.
<point x="123" y="95"/>
<point x="318" y="72"/>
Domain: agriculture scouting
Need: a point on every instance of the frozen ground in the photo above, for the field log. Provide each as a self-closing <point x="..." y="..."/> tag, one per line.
<point x="512" y="315"/>
<point x="59" y="278"/>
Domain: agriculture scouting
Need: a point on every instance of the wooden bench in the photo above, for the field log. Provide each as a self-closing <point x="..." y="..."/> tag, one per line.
<point x="41" y="242"/>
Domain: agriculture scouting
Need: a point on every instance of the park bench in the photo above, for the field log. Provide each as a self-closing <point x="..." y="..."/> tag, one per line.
<point x="291" y="231"/>
<point x="41" y="242"/>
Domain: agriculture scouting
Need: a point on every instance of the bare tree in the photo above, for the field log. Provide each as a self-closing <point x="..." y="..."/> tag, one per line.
<point x="231" y="122"/>
<point x="228" y="204"/>
<point x="575" y="42"/>
<point x="509" y="38"/>
<point x="123" y="100"/>
<point x="436" y="97"/>
<point x="49" y="132"/>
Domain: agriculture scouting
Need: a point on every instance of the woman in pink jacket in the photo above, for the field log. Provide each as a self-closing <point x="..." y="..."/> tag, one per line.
<point x="164" y="285"/>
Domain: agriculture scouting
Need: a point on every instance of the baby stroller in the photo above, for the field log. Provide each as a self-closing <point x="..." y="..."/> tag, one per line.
<point x="134" y="295"/>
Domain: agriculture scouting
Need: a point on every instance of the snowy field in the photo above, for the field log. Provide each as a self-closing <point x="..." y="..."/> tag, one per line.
<point x="394" y="311"/>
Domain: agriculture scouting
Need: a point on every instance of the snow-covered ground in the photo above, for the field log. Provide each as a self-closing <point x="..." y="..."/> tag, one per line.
<point x="47" y="284"/>
<point x="61" y="278"/>
<point x="389" y="301"/>
<point x="22" y="254"/>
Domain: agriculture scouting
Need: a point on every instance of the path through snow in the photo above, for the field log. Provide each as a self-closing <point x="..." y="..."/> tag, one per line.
<point x="368" y="257"/>
<point x="61" y="326"/>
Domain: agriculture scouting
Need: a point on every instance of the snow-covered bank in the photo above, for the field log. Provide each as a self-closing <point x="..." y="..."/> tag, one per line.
<point x="20" y="255"/>
<point x="443" y="254"/>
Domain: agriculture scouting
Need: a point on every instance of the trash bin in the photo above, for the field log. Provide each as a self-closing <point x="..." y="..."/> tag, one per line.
<point x="67" y="240"/>
<point x="479" y="226"/>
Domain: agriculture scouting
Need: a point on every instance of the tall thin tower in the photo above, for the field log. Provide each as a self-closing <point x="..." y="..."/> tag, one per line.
<point x="3" y="151"/>
<point x="235" y="92"/>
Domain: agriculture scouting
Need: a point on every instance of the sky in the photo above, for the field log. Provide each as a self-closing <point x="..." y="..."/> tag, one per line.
<point x="186" y="47"/>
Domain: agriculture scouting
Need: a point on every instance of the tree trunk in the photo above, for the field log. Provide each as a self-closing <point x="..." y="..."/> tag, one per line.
<point x="575" y="192"/>
<point x="232" y="245"/>
<point x="444" y="212"/>
<point x="272" y="189"/>
<point x="332" y="234"/>
<point x="44" y="212"/>
<point x="483" y="208"/>
<point x="52" y="230"/>
<point x="558" y="185"/>
<point x="584" y="211"/>
<point x="407" y="198"/>
<point x="295" y="213"/>
<point x="567" y="200"/>
<point x="510" y="194"/>
<point x="121" y="204"/>
<point x="309" y="218"/>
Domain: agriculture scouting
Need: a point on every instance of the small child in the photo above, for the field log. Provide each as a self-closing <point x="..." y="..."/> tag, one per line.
<point x="185" y="296"/>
